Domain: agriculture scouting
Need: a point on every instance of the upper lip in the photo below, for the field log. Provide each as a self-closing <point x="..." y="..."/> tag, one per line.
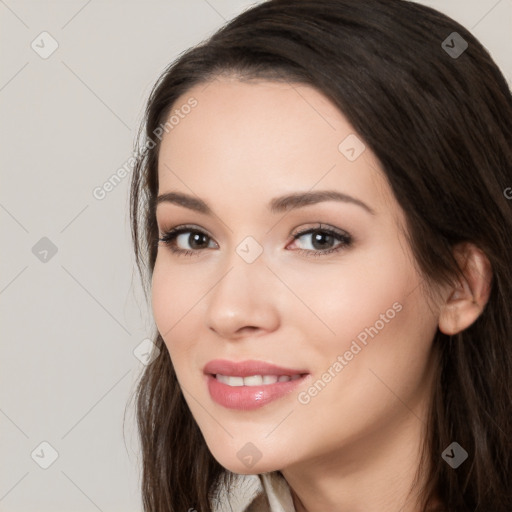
<point x="248" y="368"/>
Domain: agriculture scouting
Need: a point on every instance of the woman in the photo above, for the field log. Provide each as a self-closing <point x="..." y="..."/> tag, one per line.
<point x="320" y="203"/>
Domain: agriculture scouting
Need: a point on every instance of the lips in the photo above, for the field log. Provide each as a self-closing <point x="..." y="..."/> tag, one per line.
<point x="249" y="385"/>
<point x="248" y="368"/>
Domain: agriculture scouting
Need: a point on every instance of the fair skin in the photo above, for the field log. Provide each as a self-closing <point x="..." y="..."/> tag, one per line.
<point x="355" y="445"/>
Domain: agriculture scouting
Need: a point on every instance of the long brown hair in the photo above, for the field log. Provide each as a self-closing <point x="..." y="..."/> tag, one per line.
<point x="440" y="124"/>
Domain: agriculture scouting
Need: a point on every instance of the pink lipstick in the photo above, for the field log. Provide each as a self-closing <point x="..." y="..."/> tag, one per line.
<point x="247" y="385"/>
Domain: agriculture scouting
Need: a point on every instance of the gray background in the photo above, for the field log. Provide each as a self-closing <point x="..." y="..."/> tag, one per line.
<point x="72" y="319"/>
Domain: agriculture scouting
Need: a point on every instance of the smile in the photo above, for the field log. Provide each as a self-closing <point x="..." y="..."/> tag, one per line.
<point x="249" y="384"/>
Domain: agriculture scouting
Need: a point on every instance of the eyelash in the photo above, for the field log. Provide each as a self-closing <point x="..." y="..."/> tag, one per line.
<point x="346" y="240"/>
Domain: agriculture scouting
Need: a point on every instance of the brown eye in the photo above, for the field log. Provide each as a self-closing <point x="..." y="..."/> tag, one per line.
<point x="186" y="237"/>
<point x="321" y="241"/>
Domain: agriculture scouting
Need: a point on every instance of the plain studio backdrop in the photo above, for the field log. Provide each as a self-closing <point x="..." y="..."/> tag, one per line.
<point x="74" y="79"/>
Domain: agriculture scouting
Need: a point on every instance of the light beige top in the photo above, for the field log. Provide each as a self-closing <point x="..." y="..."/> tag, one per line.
<point x="267" y="492"/>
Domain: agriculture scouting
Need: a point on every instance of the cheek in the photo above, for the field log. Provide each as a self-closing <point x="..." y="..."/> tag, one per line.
<point x="346" y="298"/>
<point x="174" y="291"/>
<point x="171" y="300"/>
<point x="178" y="293"/>
<point x="384" y="361"/>
<point x="384" y="331"/>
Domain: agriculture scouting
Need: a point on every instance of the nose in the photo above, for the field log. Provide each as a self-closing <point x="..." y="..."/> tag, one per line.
<point x="244" y="301"/>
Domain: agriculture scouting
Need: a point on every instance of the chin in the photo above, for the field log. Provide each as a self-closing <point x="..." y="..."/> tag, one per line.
<point x="245" y="466"/>
<point x="242" y="469"/>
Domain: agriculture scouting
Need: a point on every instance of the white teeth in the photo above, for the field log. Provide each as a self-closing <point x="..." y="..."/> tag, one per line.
<point x="254" y="380"/>
<point x="230" y="381"/>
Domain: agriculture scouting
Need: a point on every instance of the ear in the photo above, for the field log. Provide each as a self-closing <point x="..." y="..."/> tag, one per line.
<point x="466" y="299"/>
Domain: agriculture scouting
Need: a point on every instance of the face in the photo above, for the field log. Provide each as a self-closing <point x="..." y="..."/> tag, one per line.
<point x="325" y="289"/>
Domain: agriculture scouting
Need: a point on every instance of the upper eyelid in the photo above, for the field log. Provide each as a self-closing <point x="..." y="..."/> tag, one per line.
<point x="318" y="226"/>
<point x="184" y="227"/>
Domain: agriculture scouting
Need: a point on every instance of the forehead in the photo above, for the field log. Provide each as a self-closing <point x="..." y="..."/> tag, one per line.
<point x="264" y="136"/>
<point x="254" y="112"/>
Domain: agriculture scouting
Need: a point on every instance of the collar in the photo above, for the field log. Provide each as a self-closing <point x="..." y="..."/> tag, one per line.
<point x="266" y="492"/>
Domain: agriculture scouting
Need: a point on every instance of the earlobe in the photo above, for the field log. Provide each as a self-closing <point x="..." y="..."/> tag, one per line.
<point x="467" y="298"/>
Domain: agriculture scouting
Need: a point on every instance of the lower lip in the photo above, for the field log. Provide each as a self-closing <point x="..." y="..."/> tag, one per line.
<point x="249" y="397"/>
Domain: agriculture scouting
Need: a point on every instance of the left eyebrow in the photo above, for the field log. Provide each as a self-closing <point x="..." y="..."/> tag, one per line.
<point x="301" y="199"/>
<point x="276" y="205"/>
